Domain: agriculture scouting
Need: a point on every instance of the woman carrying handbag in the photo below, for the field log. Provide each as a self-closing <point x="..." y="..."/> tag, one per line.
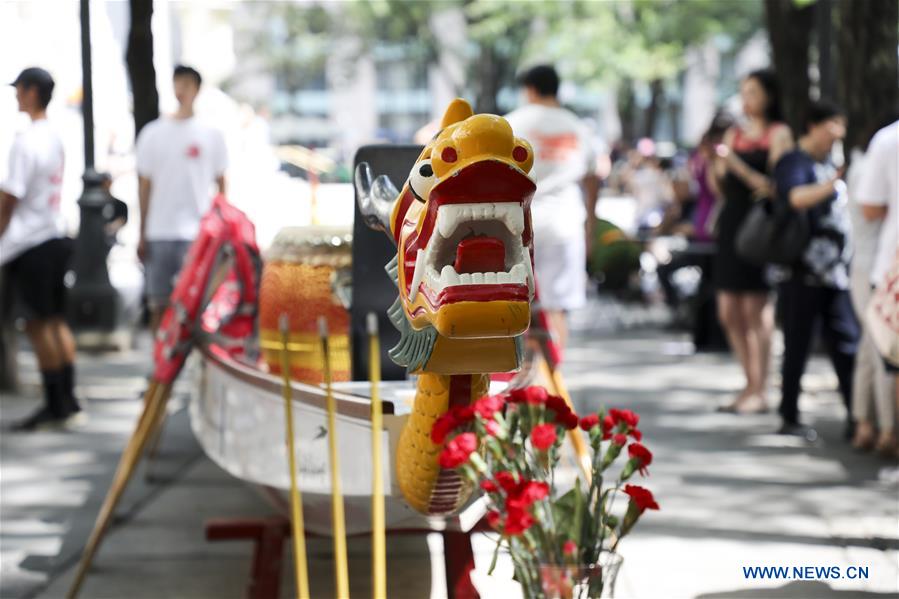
<point x="748" y="153"/>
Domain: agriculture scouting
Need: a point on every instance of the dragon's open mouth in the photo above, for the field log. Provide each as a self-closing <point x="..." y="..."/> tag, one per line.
<point x="475" y="244"/>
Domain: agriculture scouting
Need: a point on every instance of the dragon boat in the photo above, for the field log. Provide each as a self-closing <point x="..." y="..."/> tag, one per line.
<point x="459" y="242"/>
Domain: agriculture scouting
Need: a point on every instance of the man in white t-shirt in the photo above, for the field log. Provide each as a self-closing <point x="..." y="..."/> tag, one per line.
<point x="178" y="161"/>
<point x="34" y="251"/>
<point x="564" y="204"/>
<point x="878" y="195"/>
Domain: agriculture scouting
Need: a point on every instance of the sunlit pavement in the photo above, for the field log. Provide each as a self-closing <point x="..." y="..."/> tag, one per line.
<point x="732" y="493"/>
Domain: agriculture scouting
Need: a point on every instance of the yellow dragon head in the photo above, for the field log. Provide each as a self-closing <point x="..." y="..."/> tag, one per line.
<point x="464" y="264"/>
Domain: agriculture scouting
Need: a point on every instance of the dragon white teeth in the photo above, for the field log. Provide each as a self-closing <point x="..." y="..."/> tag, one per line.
<point x="518" y="274"/>
<point x="446" y="224"/>
<point x="527" y="264"/>
<point x="448" y="276"/>
<point x="419" y="273"/>
<point x="514" y="220"/>
<point x="450" y="216"/>
<point x="438" y="275"/>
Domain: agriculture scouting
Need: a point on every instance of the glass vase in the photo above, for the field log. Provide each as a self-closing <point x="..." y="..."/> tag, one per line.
<point x="585" y="581"/>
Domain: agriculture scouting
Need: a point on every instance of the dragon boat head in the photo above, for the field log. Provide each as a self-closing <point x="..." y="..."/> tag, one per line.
<point x="462" y="227"/>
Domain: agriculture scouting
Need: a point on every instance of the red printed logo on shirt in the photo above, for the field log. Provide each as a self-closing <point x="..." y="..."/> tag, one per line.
<point x="555" y="148"/>
<point x="193" y="150"/>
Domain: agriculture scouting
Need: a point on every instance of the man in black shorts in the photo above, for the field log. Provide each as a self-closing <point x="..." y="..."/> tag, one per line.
<point x="34" y="250"/>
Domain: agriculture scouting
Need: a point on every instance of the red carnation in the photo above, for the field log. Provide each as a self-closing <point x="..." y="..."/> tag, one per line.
<point x="517" y="521"/>
<point x="450" y="421"/>
<point x="535" y="395"/>
<point x="443" y="426"/>
<point x="489" y="486"/>
<point x="488" y="405"/>
<point x="626" y="416"/>
<point x="569" y="548"/>
<point x="492" y="427"/>
<point x="543" y="436"/>
<point x="619" y="439"/>
<point x="557" y="404"/>
<point x="641" y="497"/>
<point x="457" y="450"/>
<point x="589" y="421"/>
<point x="607" y="425"/>
<point x="641" y="455"/>
<point x="532" y="491"/>
<point x="507" y="481"/>
<point x="494" y="519"/>
<point x="463" y="413"/>
<point x="636" y="434"/>
<point x="570" y="421"/>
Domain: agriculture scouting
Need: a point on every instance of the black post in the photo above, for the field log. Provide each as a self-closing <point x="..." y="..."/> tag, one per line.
<point x="92" y="301"/>
<point x="826" y="73"/>
<point x="87" y="85"/>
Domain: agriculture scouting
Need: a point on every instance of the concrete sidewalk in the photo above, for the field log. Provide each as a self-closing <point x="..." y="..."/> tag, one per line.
<point x="732" y="493"/>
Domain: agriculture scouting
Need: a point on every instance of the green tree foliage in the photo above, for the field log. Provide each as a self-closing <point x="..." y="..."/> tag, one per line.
<point x="606" y="42"/>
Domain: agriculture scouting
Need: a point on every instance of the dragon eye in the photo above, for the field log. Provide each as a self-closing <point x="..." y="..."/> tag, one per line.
<point x="422" y="179"/>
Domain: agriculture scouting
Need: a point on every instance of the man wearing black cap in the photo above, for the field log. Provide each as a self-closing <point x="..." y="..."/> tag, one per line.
<point x="35" y="251"/>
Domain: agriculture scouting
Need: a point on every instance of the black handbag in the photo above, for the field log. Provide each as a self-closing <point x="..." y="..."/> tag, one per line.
<point x="772" y="233"/>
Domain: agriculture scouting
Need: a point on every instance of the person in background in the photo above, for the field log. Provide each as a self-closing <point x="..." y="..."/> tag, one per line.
<point x="648" y="182"/>
<point x="565" y="201"/>
<point x="878" y="195"/>
<point x="34" y="249"/>
<point x="748" y="153"/>
<point x="873" y="407"/>
<point x="696" y="226"/>
<point x="178" y="160"/>
<point x="816" y="290"/>
<point x="708" y="192"/>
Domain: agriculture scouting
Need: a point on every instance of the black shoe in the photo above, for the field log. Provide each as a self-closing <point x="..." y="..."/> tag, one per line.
<point x="42" y="419"/>
<point x="799" y="430"/>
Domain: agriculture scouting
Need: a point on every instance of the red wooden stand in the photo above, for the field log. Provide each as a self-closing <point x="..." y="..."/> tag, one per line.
<point x="269" y="534"/>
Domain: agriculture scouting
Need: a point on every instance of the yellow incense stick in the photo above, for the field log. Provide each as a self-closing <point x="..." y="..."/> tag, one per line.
<point x="341" y="571"/>
<point x="296" y="504"/>
<point x="378" y="543"/>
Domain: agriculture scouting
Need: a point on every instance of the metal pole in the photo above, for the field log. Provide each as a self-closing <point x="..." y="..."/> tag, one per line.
<point x="87" y="87"/>
<point x="93" y="304"/>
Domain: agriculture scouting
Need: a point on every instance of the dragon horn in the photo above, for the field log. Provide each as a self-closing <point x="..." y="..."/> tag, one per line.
<point x="375" y="199"/>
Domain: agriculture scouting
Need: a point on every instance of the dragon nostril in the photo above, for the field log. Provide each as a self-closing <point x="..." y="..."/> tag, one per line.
<point x="449" y="155"/>
<point x="520" y="153"/>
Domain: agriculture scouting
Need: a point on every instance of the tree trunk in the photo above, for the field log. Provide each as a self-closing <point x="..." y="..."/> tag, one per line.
<point x="867" y="82"/>
<point x="141" y="71"/>
<point x="789" y="29"/>
<point x="824" y="33"/>
<point x="488" y="77"/>
<point x="626" y="104"/>
<point x="656" y="97"/>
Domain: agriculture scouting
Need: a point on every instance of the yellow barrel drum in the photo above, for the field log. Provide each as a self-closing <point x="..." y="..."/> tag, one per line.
<point x="306" y="275"/>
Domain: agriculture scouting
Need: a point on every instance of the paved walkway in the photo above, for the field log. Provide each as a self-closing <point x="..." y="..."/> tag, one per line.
<point x="732" y="493"/>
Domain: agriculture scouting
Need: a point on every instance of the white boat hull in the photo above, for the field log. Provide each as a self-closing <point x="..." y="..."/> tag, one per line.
<point x="238" y="418"/>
